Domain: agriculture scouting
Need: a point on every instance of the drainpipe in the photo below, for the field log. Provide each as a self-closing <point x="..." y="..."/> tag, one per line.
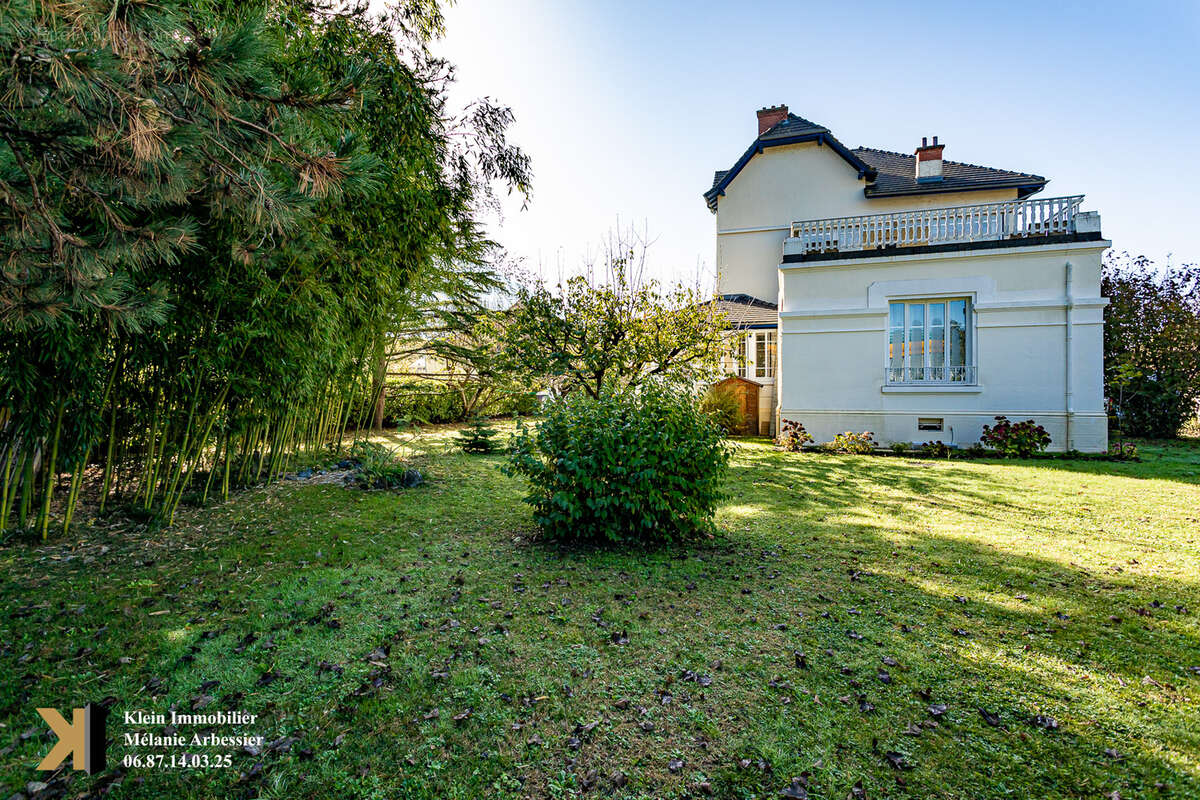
<point x="1068" y="399"/>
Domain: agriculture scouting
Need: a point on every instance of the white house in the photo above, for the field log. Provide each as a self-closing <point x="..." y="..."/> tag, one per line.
<point x="908" y="295"/>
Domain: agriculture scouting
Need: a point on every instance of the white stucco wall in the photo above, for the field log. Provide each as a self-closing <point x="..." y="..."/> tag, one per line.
<point x="833" y="339"/>
<point x="794" y="182"/>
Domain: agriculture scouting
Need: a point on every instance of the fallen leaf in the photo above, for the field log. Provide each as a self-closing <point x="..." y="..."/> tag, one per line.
<point x="797" y="790"/>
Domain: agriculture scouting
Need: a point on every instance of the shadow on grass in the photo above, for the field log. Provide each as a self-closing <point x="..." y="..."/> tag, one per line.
<point x="1161" y="459"/>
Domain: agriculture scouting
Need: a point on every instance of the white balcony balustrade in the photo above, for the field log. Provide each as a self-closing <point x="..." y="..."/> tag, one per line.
<point x="1012" y="219"/>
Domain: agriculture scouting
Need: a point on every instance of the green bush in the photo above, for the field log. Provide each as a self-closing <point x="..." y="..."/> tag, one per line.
<point x="723" y="407"/>
<point x="422" y="401"/>
<point x="433" y="402"/>
<point x="900" y="448"/>
<point x="792" y="436"/>
<point x="850" y="442"/>
<point x="1123" y="451"/>
<point x="938" y="449"/>
<point x="634" y="467"/>
<point x="377" y="467"/>
<point x="1015" y="439"/>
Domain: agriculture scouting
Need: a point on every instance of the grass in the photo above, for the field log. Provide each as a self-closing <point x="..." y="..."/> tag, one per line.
<point x="346" y="619"/>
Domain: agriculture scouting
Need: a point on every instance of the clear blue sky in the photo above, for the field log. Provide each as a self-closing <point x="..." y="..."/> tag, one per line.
<point x="627" y="107"/>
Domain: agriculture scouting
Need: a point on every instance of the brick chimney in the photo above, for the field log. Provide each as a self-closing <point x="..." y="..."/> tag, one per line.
<point x="929" y="161"/>
<point x="770" y="117"/>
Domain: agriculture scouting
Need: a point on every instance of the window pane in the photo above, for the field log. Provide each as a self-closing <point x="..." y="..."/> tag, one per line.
<point x="937" y="339"/>
<point x="896" y="342"/>
<point x="770" y="354"/>
<point x="958" y="333"/>
<point x="916" y="341"/>
<point x="741" y="356"/>
<point x="760" y="355"/>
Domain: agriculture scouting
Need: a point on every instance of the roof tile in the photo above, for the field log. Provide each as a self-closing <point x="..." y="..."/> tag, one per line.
<point x="897" y="175"/>
<point x="745" y="311"/>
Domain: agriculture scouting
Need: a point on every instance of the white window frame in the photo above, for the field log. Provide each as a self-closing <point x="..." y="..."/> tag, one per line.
<point x="743" y="354"/>
<point x="926" y="373"/>
<point x="770" y="343"/>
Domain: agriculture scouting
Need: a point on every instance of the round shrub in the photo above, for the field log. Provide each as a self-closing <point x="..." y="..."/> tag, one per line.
<point x="1015" y="439"/>
<point x="938" y="449"/>
<point x="633" y="467"/>
<point x="853" y="443"/>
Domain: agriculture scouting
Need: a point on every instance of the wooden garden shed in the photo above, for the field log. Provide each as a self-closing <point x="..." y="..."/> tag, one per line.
<point x="746" y="391"/>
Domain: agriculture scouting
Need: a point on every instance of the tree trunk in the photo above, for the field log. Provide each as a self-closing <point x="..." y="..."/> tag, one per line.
<point x="378" y="384"/>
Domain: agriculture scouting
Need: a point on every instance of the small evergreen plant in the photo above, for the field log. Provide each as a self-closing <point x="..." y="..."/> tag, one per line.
<point x="480" y="437"/>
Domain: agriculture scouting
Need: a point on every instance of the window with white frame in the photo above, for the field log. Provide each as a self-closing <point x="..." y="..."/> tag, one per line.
<point x="752" y="355"/>
<point x="930" y="341"/>
<point x="764" y="354"/>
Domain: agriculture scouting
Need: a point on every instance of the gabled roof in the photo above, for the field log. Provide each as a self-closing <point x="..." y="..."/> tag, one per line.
<point x="792" y="125"/>
<point x="745" y="311"/>
<point x="790" y="130"/>
<point x="887" y="174"/>
<point x="896" y="175"/>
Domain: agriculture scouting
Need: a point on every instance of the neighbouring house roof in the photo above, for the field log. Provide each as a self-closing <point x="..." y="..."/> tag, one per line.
<point x="745" y="311"/>
<point x="887" y="174"/>
<point x="896" y="175"/>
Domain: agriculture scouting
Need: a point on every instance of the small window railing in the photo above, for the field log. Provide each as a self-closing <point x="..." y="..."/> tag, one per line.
<point x="901" y="376"/>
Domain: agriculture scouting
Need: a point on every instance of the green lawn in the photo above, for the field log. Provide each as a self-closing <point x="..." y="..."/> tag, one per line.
<point x="420" y="645"/>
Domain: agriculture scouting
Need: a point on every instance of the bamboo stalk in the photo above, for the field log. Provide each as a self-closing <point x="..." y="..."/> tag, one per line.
<point x="108" y="458"/>
<point x="8" y="489"/>
<point x="199" y="449"/>
<point x="222" y="440"/>
<point x="73" y="491"/>
<point x="174" y="478"/>
<point x="48" y="490"/>
<point x="27" y="489"/>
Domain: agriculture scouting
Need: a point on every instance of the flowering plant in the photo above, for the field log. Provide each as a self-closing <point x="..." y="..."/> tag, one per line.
<point x="1015" y="439"/>
<point x="1126" y="451"/>
<point x="850" y="442"/>
<point x="792" y="436"/>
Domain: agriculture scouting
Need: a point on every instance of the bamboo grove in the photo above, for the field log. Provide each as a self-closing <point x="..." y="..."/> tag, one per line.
<point x="213" y="216"/>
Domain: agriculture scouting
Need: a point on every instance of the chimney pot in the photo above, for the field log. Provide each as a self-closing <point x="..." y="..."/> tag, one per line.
<point x="770" y="117"/>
